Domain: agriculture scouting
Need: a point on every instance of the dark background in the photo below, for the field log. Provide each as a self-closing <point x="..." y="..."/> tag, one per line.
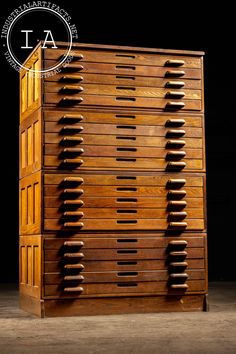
<point x="169" y="24"/>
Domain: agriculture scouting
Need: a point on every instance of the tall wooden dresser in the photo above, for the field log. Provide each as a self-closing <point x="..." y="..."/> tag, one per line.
<point x="112" y="182"/>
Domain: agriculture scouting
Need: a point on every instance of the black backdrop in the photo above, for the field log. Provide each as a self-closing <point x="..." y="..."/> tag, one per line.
<point x="169" y="24"/>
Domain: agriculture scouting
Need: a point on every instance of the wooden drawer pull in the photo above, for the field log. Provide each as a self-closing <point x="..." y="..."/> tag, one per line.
<point x="178" y="253"/>
<point x="72" y="139"/>
<point x="176" y="165"/>
<point x="73" y="224"/>
<point x="74" y="179"/>
<point x="175" y="143"/>
<point x="174" y="62"/>
<point x="71" y="100"/>
<point x="179" y="286"/>
<point x="176" y="181"/>
<point x="178" y="214"/>
<point x="72" y="67"/>
<point x="174" y="204"/>
<point x="74" y="266"/>
<point x="74" y="191"/>
<point x="175" y="132"/>
<point x="175" y="94"/>
<point x="71" y="88"/>
<point x="178" y="243"/>
<point x="73" y="150"/>
<point x="72" y="78"/>
<point x="175" y="155"/>
<point x="72" y="117"/>
<point x="77" y="56"/>
<point x="73" y="202"/>
<point x="78" y="289"/>
<point x="178" y="264"/>
<point x="179" y="276"/>
<point x="74" y="255"/>
<point x="173" y="104"/>
<point x="175" y="122"/>
<point x="175" y="84"/>
<point x="73" y="277"/>
<point x="176" y="224"/>
<point x="72" y="128"/>
<point x="172" y="194"/>
<point x="175" y="73"/>
<point x="73" y="213"/>
<point x="74" y="243"/>
<point x="73" y="161"/>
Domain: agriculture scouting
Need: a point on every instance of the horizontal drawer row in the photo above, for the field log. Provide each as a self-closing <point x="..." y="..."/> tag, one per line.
<point x="126" y="57"/>
<point x="125" y="80"/>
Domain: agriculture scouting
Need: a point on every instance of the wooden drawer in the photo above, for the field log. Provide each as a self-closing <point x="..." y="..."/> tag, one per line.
<point x="125" y="80"/>
<point x="121" y="101"/>
<point x="148" y="202"/>
<point x="125" y="90"/>
<point x="126" y="57"/>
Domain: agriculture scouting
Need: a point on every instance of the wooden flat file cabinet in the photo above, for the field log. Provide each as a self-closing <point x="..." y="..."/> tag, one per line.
<point x="112" y="182"/>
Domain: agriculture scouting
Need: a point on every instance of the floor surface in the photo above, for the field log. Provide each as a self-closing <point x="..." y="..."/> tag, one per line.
<point x="211" y="332"/>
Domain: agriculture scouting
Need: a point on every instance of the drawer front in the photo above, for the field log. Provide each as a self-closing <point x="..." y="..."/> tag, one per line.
<point x="123" y="202"/>
<point x="79" y="140"/>
<point x="126" y="57"/>
<point x="125" y="80"/>
<point x="81" y="266"/>
<point x="76" y="100"/>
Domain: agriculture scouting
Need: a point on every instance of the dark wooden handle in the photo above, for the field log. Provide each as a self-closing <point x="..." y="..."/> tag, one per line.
<point x="179" y="276"/>
<point x="175" y="94"/>
<point x="78" y="56"/>
<point x="176" y="165"/>
<point x="177" y="181"/>
<point x="77" y="289"/>
<point x="178" y="253"/>
<point x="74" y="191"/>
<point x="73" y="161"/>
<point x="178" y="243"/>
<point x="73" y="150"/>
<point x="72" y="117"/>
<point x="175" y="132"/>
<point x="178" y="224"/>
<point x="174" y="62"/>
<point x="72" y="127"/>
<point x="73" y="277"/>
<point x="74" y="266"/>
<point x="179" y="286"/>
<point x="72" y="88"/>
<point x="73" y="179"/>
<point x="175" y="122"/>
<point x="175" y="73"/>
<point x="172" y="143"/>
<point x="174" y="155"/>
<point x="71" y="100"/>
<point x="178" y="214"/>
<point x="73" y="67"/>
<point x="176" y="193"/>
<point x="175" y="84"/>
<point x="178" y="264"/>
<point x="72" y="139"/>
<point x="174" y="104"/>
<point x="74" y="243"/>
<point x="73" y="224"/>
<point x="177" y="203"/>
<point x="74" y="255"/>
<point x="73" y="202"/>
<point x="72" y="78"/>
<point x="73" y="213"/>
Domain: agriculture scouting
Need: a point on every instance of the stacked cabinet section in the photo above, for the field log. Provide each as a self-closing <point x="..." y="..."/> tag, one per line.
<point x="112" y="182"/>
